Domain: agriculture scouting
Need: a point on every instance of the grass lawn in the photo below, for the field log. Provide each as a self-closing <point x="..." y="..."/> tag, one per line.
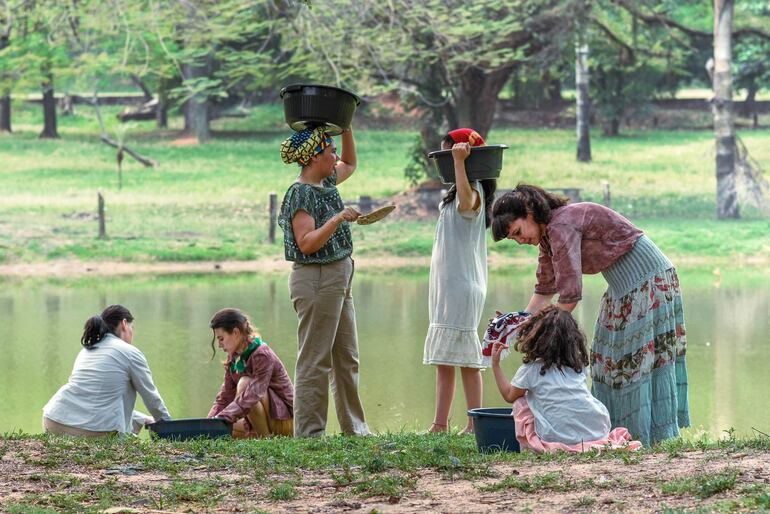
<point x="209" y="202"/>
<point x="402" y="472"/>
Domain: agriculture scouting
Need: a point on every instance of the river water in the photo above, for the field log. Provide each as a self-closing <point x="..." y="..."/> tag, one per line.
<point x="727" y="318"/>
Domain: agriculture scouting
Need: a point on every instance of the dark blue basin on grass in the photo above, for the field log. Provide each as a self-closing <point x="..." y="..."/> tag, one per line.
<point x="183" y="429"/>
<point x="494" y="429"/>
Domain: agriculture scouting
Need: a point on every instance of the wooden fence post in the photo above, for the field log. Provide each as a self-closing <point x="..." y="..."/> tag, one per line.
<point x="606" y="189"/>
<point x="273" y="217"/>
<point x="365" y="204"/>
<point x="102" y="228"/>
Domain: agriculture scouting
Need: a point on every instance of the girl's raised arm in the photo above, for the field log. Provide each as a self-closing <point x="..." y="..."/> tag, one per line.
<point x="508" y="391"/>
<point x="467" y="198"/>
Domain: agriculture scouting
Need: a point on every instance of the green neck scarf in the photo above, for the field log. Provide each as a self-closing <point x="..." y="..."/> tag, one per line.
<point x="239" y="365"/>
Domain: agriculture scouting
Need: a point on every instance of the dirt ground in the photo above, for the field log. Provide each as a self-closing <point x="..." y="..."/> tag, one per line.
<point x="606" y="485"/>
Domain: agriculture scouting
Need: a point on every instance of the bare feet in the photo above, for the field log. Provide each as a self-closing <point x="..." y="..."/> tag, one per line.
<point x="438" y="427"/>
<point x="466" y="431"/>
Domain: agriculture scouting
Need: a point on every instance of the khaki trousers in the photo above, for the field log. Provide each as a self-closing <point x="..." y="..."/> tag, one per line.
<point x="52" y="427"/>
<point x="262" y="425"/>
<point x="328" y="348"/>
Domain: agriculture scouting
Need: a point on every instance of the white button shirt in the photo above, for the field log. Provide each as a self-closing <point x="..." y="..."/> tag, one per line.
<point x="101" y="391"/>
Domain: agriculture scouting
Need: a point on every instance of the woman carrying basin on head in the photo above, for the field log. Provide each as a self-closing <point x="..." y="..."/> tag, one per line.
<point x="458" y="283"/>
<point x="318" y="241"/>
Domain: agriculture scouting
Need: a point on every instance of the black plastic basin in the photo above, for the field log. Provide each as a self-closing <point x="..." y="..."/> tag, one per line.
<point x="313" y="105"/>
<point x="182" y="429"/>
<point x="494" y="429"/>
<point x="483" y="162"/>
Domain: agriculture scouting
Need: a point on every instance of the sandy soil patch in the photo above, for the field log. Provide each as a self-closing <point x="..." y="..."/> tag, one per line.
<point x="610" y="485"/>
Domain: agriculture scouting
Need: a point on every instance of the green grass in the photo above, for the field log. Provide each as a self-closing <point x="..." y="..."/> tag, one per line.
<point x="282" y="492"/>
<point x="553" y="481"/>
<point x="702" y="485"/>
<point x="209" y="202"/>
<point x="390" y="486"/>
<point x="386" y="466"/>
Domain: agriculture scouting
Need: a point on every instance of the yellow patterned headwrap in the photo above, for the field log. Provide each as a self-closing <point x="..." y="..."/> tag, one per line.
<point x="303" y="145"/>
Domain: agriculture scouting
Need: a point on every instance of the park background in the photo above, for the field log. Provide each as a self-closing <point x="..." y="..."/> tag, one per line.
<point x="170" y="112"/>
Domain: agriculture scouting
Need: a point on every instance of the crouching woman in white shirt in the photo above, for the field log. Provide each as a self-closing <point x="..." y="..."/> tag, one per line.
<point x="99" y="397"/>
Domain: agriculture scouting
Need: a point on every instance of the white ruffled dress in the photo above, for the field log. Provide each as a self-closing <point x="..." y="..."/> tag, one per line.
<point x="458" y="287"/>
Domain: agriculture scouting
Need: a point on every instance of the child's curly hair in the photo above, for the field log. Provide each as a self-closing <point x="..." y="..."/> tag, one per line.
<point x="553" y="336"/>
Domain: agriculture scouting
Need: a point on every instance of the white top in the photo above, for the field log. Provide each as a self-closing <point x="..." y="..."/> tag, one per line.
<point x="565" y="411"/>
<point x="101" y="391"/>
<point x="458" y="286"/>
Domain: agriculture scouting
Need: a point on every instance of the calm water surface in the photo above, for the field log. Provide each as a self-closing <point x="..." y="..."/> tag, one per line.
<point x="728" y="322"/>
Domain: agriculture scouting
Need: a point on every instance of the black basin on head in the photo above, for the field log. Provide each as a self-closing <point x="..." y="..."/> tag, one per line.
<point x="483" y="162"/>
<point x="313" y="105"/>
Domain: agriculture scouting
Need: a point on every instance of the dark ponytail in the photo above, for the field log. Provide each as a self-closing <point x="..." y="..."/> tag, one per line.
<point x="489" y="186"/>
<point x="105" y="323"/>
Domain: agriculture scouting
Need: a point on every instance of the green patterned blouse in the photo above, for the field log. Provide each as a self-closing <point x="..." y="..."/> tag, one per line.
<point x="321" y="202"/>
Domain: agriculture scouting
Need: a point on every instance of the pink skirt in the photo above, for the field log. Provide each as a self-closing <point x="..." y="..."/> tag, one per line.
<point x="524" y="419"/>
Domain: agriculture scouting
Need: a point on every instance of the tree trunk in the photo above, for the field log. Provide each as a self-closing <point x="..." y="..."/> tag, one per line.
<point x="49" y="112"/>
<point x="478" y="97"/>
<point x="5" y="100"/>
<point x="612" y="127"/>
<point x="749" y="104"/>
<point x="553" y="90"/>
<point x="5" y="113"/>
<point x="187" y="114"/>
<point x="197" y="108"/>
<point x="617" y="109"/>
<point x="724" y="127"/>
<point x="161" y="114"/>
<point x="583" y="110"/>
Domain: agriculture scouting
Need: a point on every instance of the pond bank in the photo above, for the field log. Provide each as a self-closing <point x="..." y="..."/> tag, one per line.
<point x="403" y="472"/>
<point x="77" y="268"/>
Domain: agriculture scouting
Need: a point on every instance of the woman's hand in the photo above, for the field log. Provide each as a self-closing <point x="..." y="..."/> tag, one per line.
<point x="461" y="151"/>
<point x="497" y="350"/>
<point x="347" y="214"/>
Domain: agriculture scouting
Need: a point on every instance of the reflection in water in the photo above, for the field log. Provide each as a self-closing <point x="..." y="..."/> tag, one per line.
<point x="41" y="326"/>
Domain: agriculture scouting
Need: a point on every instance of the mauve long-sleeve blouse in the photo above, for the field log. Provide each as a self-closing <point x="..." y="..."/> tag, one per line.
<point x="580" y="238"/>
<point x="269" y="377"/>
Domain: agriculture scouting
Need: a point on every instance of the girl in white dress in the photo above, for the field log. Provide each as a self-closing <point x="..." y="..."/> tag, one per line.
<point x="458" y="283"/>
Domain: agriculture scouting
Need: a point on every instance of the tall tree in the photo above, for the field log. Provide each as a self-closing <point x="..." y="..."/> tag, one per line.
<point x="583" y="111"/>
<point x="5" y="92"/>
<point x="724" y="127"/>
<point x="450" y="60"/>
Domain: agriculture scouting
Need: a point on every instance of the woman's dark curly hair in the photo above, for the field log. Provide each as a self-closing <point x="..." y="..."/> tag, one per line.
<point x="519" y="202"/>
<point x="553" y="336"/>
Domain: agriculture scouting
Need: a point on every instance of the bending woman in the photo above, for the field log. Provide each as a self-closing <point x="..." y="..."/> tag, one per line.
<point x="257" y="395"/>
<point x="99" y="397"/>
<point x="637" y="357"/>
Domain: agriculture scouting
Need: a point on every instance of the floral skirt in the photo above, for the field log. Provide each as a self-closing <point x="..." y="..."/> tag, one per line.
<point x="638" y="366"/>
